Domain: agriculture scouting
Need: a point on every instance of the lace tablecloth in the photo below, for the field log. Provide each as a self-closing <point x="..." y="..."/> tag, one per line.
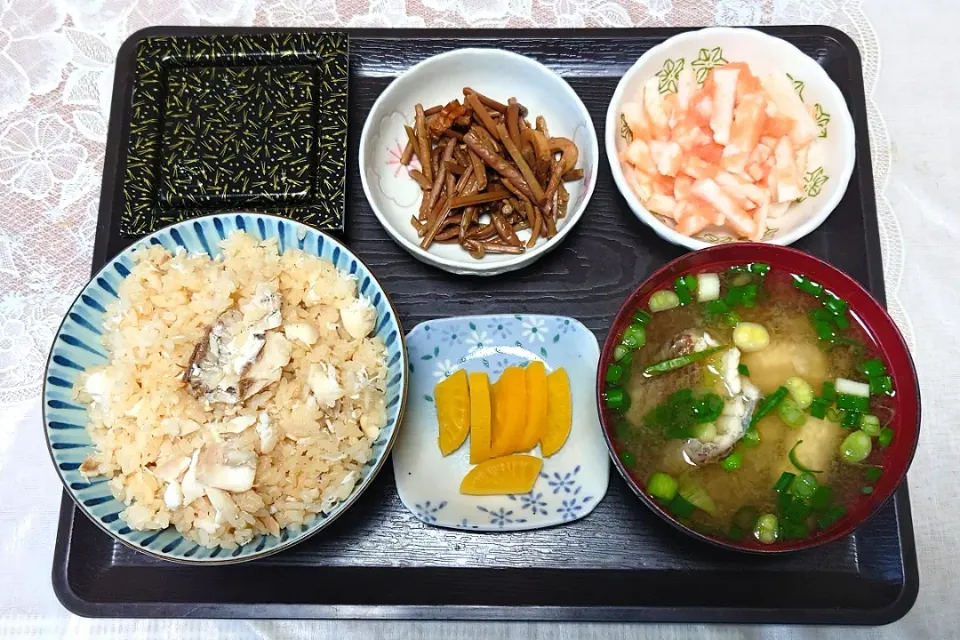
<point x="56" y="71"/>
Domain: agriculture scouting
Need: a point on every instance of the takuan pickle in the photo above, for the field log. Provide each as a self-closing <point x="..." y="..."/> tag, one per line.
<point x="505" y="421"/>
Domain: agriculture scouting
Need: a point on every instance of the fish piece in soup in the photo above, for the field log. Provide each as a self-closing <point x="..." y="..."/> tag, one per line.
<point x="688" y="341"/>
<point x="730" y="426"/>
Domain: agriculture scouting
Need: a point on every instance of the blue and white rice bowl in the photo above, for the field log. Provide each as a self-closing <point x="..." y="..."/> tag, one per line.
<point x="78" y="346"/>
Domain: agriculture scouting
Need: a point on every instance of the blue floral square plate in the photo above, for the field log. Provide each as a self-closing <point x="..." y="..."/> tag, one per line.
<point x="571" y="483"/>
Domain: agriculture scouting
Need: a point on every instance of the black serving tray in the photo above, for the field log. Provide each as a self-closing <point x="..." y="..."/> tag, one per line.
<point x="621" y="563"/>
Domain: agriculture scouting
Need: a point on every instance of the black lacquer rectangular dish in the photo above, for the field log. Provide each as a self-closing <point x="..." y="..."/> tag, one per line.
<point x="226" y="121"/>
<point x="619" y="564"/>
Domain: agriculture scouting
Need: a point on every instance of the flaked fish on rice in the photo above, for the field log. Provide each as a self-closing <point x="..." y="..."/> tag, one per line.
<point x="223" y="367"/>
<point x="242" y="394"/>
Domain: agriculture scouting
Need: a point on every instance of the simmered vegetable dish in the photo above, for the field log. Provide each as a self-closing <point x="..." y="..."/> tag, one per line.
<point x="487" y="175"/>
<point x="750" y="404"/>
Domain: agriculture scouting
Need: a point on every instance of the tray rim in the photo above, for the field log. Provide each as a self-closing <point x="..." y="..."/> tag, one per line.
<point x="112" y="189"/>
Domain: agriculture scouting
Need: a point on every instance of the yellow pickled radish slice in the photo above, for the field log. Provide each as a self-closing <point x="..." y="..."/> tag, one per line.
<point x="535" y="377"/>
<point x="453" y="411"/>
<point x="559" y="413"/>
<point x="508" y="400"/>
<point x="479" y="418"/>
<point x="502" y="476"/>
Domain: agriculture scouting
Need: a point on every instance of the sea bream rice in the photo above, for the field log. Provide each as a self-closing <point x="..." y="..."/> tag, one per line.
<point x="242" y="394"/>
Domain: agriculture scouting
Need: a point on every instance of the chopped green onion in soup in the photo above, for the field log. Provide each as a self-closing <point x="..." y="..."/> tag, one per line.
<point x="708" y="453"/>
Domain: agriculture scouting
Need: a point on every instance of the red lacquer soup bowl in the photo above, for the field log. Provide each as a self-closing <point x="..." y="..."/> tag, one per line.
<point x="875" y="327"/>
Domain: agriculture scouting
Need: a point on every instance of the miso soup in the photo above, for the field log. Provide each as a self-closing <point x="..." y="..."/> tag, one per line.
<point x="750" y="404"/>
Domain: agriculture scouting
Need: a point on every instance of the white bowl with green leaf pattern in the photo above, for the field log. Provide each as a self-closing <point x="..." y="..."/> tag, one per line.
<point x="831" y="157"/>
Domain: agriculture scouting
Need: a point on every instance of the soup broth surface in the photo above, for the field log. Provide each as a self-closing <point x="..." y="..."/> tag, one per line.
<point x="794" y="350"/>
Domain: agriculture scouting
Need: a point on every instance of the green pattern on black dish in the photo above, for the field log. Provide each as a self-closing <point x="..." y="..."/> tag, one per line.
<point x="228" y="122"/>
<point x="243" y="134"/>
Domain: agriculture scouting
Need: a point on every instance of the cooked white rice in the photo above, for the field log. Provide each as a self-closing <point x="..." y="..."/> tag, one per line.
<point x="309" y="443"/>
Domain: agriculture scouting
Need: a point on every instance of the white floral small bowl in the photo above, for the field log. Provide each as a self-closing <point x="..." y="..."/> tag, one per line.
<point x="832" y="156"/>
<point x="571" y="483"/>
<point x="395" y="197"/>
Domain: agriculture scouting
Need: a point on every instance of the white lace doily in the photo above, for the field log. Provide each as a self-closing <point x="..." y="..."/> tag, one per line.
<point x="56" y="75"/>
